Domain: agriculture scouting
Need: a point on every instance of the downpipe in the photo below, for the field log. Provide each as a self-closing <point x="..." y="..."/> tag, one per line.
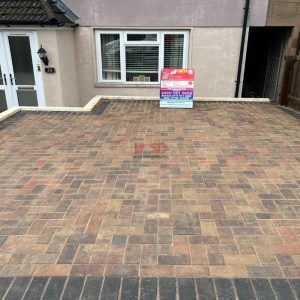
<point x="245" y="22"/>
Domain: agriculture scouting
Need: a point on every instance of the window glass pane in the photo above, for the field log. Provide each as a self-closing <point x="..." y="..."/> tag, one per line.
<point x="131" y="37"/>
<point x="142" y="64"/>
<point x="21" y="59"/>
<point x="173" y="51"/>
<point x="110" y="54"/>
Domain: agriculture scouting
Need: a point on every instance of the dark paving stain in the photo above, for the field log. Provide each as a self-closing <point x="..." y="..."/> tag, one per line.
<point x="2" y="240"/>
<point x="100" y="108"/>
<point x="295" y="284"/>
<point x="97" y="110"/>
<point x="148" y="289"/>
<point x="110" y="290"/>
<point x="92" y="288"/>
<point x="244" y="289"/>
<point x="18" y="288"/>
<point x="186" y="287"/>
<point x="224" y="289"/>
<point x="292" y="113"/>
<point x="152" y="288"/>
<point x="4" y="285"/>
<point x="73" y="288"/>
<point x="263" y="289"/>
<point x="36" y="288"/>
<point x="205" y="287"/>
<point x="55" y="288"/>
<point x="130" y="288"/>
<point x="11" y="120"/>
<point x="167" y="288"/>
<point x="282" y="289"/>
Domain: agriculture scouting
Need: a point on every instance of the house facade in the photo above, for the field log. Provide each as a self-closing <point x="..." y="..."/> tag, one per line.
<point x="117" y="48"/>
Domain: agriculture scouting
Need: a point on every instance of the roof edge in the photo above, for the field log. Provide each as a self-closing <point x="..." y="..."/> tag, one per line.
<point x="55" y="13"/>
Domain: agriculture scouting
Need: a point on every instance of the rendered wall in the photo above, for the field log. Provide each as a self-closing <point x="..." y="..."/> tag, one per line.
<point x="214" y="53"/>
<point x="61" y="87"/>
<point x="52" y="82"/>
<point x="67" y="64"/>
<point x="215" y="56"/>
<point x="167" y="13"/>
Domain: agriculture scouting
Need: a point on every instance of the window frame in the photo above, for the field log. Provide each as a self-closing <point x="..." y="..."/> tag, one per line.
<point x="123" y="43"/>
<point x="141" y="43"/>
<point x="99" y="56"/>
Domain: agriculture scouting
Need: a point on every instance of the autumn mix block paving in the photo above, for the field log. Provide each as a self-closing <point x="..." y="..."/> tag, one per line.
<point x="222" y="201"/>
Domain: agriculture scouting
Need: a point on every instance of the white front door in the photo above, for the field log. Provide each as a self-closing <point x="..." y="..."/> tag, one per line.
<point x="5" y="92"/>
<point x="20" y="75"/>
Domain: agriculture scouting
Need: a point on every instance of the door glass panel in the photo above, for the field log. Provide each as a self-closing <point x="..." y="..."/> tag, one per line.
<point x="1" y="80"/>
<point x="27" y="98"/>
<point x="21" y="59"/>
<point x="3" y="105"/>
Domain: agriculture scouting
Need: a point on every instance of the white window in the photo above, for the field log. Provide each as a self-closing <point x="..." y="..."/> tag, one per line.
<point x="135" y="57"/>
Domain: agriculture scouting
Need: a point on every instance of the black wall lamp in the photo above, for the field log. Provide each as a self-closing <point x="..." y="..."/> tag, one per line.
<point x="42" y="54"/>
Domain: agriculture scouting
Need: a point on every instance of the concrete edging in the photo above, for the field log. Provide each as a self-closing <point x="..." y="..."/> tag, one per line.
<point x="93" y="102"/>
<point x="9" y="112"/>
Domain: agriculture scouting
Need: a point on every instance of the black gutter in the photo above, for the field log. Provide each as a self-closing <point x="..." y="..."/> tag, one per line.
<point x="238" y="79"/>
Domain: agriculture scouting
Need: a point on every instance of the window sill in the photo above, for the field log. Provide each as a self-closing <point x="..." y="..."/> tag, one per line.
<point x="124" y="85"/>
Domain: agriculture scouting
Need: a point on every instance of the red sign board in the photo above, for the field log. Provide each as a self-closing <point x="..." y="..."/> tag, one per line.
<point x="177" y="88"/>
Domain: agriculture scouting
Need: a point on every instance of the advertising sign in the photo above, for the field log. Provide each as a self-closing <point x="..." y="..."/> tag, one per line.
<point x="177" y="88"/>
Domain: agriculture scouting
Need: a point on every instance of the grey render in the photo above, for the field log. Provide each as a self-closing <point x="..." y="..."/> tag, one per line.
<point x="167" y="13"/>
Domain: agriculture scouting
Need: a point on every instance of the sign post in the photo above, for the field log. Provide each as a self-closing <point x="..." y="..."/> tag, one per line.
<point x="177" y="88"/>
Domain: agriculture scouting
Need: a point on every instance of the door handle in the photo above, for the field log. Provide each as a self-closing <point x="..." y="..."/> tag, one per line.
<point x="4" y="79"/>
<point x="11" y="79"/>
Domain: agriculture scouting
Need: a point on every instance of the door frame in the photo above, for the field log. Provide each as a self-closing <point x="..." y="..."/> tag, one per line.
<point x="6" y="87"/>
<point x="7" y="62"/>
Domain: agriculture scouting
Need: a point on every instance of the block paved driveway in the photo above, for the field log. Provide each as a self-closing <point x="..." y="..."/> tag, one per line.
<point x="221" y="199"/>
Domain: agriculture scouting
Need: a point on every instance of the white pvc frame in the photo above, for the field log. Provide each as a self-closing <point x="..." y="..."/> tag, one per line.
<point x="12" y="99"/>
<point x="124" y="43"/>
